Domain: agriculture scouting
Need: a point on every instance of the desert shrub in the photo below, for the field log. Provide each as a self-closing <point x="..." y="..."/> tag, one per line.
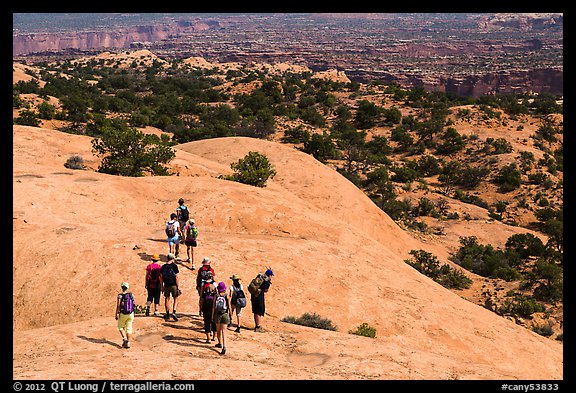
<point x="254" y="169"/>
<point x="74" y="162"/>
<point x="311" y="320"/>
<point x="428" y="264"/>
<point x="364" y="330"/>
<point x="508" y="178"/>
<point x="520" y="305"/>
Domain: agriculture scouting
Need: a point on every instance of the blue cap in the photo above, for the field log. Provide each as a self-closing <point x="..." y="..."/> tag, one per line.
<point x="269" y="272"/>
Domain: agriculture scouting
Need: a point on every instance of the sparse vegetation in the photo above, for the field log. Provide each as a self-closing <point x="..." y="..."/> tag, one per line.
<point x="311" y="320"/>
<point x="254" y="169"/>
<point x="364" y="329"/>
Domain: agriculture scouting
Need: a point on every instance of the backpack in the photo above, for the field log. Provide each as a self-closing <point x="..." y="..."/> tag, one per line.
<point x="170" y="229"/>
<point x="184" y="213"/>
<point x="202" y="274"/>
<point x="154" y="276"/>
<point x="127" y="303"/>
<point x="169" y="276"/>
<point x="207" y="298"/>
<point x="192" y="233"/>
<point x="254" y="287"/>
<point x="239" y="298"/>
<point x="221" y="305"/>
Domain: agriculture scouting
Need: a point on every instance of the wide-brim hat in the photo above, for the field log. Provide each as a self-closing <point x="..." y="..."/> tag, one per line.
<point x="156" y="257"/>
<point x="206" y="261"/>
<point x="235" y="277"/>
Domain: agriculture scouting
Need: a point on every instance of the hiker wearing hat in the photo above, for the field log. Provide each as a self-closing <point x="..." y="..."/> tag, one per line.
<point x="221" y="315"/>
<point x="152" y="284"/>
<point x="206" y="305"/>
<point x="190" y="236"/>
<point x="174" y="234"/>
<point x="201" y="279"/>
<point x="257" y="298"/>
<point x="170" y="285"/>
<point x="237" y="299"/>
<point x="125" y="305"/>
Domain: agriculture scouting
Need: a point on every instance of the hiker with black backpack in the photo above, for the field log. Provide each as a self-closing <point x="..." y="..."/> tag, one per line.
<point x="221" y="315"/>
<point x="190" y="239"/>
<point x="152" y="284"/>
<point x="237" y="299"/>
<point x="170" y="285"/>
<point x="125" y="305"/>
<point x="257" y="288"/>
<point x="182" y="213"/>
<point x="174" y="234"/>
<point x="206" y="305"/>
<point x="201" y="278"/>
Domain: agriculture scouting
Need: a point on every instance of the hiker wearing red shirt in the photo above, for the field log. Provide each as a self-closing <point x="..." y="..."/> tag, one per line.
<point x="152" y="284"/>
<point x="201" y="279"/>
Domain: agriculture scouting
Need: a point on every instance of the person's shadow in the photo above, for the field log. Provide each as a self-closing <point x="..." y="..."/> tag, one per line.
<point x="100" y="341"/>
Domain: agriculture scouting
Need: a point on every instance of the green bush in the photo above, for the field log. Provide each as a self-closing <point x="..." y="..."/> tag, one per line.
<point x="364" y="330"/>
<point x="254" y="169"/>
<point x="311" y="320"/>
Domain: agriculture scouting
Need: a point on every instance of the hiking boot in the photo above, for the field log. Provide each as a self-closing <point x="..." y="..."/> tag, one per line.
<point x="166" y="317"/>
<point x="193" y="267"/>
<point x="223" y="351"/>
<point x="207" y="341"/>
<point x="259" y="329"/>
<point x="218" y="345"/>
<point x="147" y="312"/>
<point x="237" y="329"/>
<point x="156" y="313"/>
<point x="174" y="317"/>
<point x="125" y="343"/>
<point x="188" y="260"/>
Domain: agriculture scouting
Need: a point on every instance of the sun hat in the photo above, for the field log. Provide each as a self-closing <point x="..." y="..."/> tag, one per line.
<point x="235" y="277"/>
<point x="206" y="261"/>
<point x="269" y="272"/>
<point x="124" y="285"/>
<point x="191" y="221"/>
<point x="170" y="256"/>
<point x="221" y="286"/>
<point x="155" y="257"/>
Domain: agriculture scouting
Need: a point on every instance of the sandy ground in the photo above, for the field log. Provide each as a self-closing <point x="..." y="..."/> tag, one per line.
<point x="77" y="234"/>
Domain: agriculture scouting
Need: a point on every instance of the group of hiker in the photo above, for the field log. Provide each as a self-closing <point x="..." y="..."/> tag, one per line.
<point x="217" y="303"/>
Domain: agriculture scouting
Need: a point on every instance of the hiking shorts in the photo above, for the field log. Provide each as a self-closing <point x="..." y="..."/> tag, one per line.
<point x="174" y="240"/>
<point x="125" y="322"/>
<point x="258" y="305"/>
<point x="154" y="295"/>
<point x="222" y="318"/>
<point x="191" y="243"/>
<point x="171" y="290"/>
<point x="238" y="310"/>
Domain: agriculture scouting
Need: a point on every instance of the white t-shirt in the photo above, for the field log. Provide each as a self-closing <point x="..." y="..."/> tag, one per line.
<point x="176" y="226"/>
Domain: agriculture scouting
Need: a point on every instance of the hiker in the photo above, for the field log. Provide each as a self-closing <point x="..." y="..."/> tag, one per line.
<point x="206" y="305"/>
<point x="125" y="314"/>
<point x="174" y="234"/>
<point x="237" y="299"/>
<point x="263" y="282"/>
<point x="221" y="315"/>
<point x="182" y="213"/>
<point x="190" y="239"/>
<point x="152" y="284"/>
<point x="208" y="280"/>
<point x="170" y="284"/>
<point x="201" y="276"/>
